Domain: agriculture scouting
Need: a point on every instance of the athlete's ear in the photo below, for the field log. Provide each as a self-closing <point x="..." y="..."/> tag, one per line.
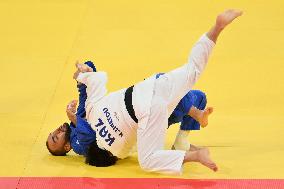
<point x="67" y="147"/>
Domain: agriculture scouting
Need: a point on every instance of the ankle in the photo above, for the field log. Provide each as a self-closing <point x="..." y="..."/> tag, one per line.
<point x="191" y="156"/>
<point x="181" y="141"/>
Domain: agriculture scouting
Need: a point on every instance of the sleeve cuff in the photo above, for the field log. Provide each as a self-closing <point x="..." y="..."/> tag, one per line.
<point x="81" y="77"/>
<point x="180" y="162"/>
<point x="204" y="37"/>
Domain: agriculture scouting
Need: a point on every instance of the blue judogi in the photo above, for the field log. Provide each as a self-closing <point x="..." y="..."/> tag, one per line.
<point x="194" y="98"/>
<point x="83" y="135"/>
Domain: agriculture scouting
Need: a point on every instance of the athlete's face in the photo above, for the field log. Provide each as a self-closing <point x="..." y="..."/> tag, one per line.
<point x="58" y="140"/>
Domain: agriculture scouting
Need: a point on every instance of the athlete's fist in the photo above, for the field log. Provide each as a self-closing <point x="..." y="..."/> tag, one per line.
<point x="81" y="68"/>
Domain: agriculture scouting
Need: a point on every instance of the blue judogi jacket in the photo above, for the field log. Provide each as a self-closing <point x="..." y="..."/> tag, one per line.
<point x="83" y="135"/>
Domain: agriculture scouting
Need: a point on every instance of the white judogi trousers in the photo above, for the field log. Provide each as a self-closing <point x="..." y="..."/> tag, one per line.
<point x="153" y="100"/>
<point x="168" y="90"/>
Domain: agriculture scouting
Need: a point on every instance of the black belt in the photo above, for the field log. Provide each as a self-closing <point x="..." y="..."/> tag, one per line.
<point x="128" y="103"/>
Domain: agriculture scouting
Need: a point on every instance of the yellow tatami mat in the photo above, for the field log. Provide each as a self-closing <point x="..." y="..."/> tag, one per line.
<point x="131" y="40"/>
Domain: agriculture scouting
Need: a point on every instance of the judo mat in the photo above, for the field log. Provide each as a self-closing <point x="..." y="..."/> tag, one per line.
<point x="131" y="40"/>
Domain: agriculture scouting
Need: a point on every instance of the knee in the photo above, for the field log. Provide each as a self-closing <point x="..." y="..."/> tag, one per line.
<point x="147" y="162"/>
<point x="203" y="96"/>
<point x="144" y="163"/>
<point x="201" y="99"/>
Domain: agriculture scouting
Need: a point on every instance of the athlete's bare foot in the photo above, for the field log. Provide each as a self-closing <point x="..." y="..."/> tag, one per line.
<point x="227" y="17"/>
<point x="222" y="21"/>
<point x="203" y="117"/>
<point x="203" y="156"/>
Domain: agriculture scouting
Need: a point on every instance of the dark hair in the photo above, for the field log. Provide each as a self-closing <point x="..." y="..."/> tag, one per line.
<point x="56" y="152"/>
<point x="99" y="157"/>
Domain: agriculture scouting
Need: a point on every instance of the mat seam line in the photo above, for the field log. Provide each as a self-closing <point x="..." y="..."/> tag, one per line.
<point x="57" y="84"/>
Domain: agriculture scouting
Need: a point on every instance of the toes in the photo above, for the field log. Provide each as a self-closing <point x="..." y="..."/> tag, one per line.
<point x="213" y="167"/>
<point x="235" y="11"/>
<point x="210" y="110"/>
<point x="238" y="12"/>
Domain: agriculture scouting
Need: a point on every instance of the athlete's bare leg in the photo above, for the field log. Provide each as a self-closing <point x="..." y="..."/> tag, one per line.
<point x="222" y="21"/>
<point x="202" y="156"/>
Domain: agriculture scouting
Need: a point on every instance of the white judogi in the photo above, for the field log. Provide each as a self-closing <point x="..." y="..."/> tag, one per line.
<point x="153" y="100"/>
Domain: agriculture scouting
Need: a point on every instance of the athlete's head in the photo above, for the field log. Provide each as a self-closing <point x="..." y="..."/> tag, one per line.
<point x="58" y="141"/>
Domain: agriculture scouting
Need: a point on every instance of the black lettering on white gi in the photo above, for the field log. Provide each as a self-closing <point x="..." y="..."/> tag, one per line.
<point x="106" y="112"/>
<point x="110" y="139"/>
<point x="103" y="132"/>
<point x="100" y="123"/>
<point x="109" y="119"/>
<point x="110" y="122"/>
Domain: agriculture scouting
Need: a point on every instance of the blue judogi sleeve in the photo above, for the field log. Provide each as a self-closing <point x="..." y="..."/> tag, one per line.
<point x="85" y="135"/>
<point x="74" y="142"/>
<point x="82" y="135"/>
<point x="81" y="112"/>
